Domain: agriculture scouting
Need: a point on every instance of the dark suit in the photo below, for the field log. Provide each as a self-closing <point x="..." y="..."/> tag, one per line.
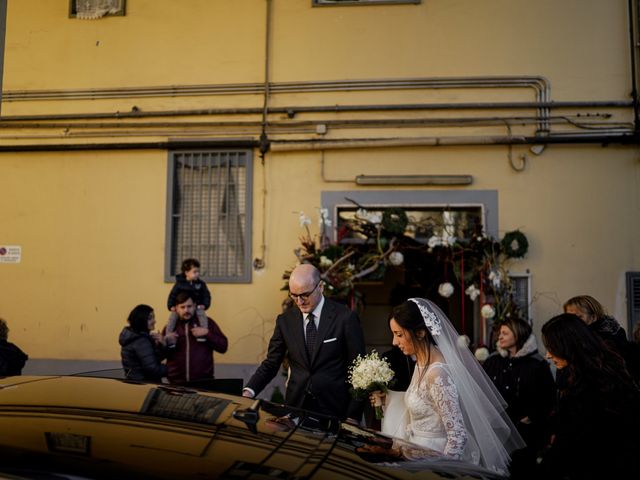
<point x="322" y="380"/>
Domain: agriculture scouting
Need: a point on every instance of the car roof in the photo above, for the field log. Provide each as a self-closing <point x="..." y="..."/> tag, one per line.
<point x="107" y="428"/>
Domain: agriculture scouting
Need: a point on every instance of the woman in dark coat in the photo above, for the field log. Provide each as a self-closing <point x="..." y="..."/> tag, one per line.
<point x="525" y="381"/>
<point x="591" y="312"/>
<point x="597" y="425"/>
<point x="142" y="350"/>
<point x="12" y="359"/>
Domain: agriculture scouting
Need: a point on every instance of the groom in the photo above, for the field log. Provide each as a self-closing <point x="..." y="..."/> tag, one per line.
<point x="321" y="338"/>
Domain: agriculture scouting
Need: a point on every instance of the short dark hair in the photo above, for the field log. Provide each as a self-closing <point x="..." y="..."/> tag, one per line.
<point x="139" y="318"/>
<point x="182" y="296"/>
<point x="4" y="330"/>
<point x="189" y="263"/>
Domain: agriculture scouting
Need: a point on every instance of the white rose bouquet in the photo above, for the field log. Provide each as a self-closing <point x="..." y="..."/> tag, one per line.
<point x="368" y="374"/>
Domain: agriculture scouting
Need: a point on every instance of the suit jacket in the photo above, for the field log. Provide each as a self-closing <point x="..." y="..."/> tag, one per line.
<point x="325" y="375"/>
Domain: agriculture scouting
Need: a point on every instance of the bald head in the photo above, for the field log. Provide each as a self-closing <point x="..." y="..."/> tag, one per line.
<point x="305" y="287"/>
<point x="305" y="273"/>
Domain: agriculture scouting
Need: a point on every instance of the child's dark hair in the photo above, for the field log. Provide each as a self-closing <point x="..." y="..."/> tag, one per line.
<point x="139" y="318"/>
<point x="189" y="263"/>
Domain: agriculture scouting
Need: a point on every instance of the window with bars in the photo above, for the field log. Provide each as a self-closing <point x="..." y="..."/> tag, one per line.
<point x="360" y="2"/>
<point x="93" y="9"/>
<point x="209" y="213"/>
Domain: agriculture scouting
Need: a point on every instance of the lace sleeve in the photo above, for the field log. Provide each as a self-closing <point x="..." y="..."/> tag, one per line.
<point x="445" y="398"/>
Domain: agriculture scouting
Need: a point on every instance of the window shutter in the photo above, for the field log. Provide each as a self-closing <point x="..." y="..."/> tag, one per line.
<point x="633" y="299"/>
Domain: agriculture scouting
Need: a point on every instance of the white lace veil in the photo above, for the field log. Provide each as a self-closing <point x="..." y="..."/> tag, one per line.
<point x="492" y="436"/>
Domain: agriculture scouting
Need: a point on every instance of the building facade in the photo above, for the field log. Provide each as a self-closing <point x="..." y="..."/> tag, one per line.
<point x="137" y="133"/>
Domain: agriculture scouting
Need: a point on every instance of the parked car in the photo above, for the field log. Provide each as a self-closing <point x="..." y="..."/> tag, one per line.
<point x="98" y="428"/>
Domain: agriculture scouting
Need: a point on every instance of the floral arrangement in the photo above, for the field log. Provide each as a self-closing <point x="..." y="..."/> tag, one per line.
<point x="370" y="373"/>
<point x="472" y="266"/>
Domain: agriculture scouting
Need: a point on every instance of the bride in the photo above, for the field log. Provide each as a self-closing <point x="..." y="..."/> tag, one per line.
<point x="451" y="406"/>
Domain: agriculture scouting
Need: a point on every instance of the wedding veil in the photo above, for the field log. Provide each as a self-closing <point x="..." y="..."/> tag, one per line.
<point x="492" y="436"/>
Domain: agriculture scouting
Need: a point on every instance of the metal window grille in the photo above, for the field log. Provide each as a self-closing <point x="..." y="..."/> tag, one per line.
<point x="633" y="299"/>
<point x="361" y="2"/>
<point x="210" y="213"/>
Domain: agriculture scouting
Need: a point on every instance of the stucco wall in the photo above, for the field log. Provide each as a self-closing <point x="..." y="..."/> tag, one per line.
<point x="91" y="224"/>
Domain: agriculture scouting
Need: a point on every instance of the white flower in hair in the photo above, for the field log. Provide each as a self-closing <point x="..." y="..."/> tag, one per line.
<point x="429" y="317"/>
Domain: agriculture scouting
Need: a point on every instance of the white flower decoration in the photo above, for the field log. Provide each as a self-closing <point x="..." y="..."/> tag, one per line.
<point x="487" y="311"/>
<point x="473" y="292"/>
<point x="362" y="214"/>
<point x="496" y="278"/>
<point x="445" y="289"/>
<point x="304" y="220"/>
<point x="481" y="353"/>
<point x="323" y="218"/>
<point x="434" y="241"/>
<point x="430" y="318"/>
<point x="325" y="261"/>
<point x="463" y="341"/>
<point x="374" y="218"/>
<point x="396" y="258"/>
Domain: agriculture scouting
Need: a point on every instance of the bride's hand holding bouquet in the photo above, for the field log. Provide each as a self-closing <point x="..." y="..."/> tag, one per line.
<point x="370" y="376"/>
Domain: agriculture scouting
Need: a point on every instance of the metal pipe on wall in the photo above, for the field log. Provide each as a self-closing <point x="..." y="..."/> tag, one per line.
<point x="292" y="111"/>
<point x="633" y="45"/>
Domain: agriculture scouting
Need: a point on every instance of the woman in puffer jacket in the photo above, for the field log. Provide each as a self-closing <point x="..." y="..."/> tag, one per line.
<point x="142" y="349"/>
<point x="524" y="379"/>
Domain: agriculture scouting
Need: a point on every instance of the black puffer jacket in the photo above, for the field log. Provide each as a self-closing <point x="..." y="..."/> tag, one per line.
<point x="609" y="330"/>
<point x="526" y="383"/>
<point x="197" y="288"/>
<point x="12" y="359"/>
<point x="140" y="357"/>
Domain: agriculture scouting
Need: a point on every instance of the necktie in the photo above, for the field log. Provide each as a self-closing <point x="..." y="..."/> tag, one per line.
<point x="312" y="334"/>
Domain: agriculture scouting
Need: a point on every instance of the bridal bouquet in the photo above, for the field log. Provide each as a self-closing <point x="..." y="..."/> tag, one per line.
<point x="368" y="374"/>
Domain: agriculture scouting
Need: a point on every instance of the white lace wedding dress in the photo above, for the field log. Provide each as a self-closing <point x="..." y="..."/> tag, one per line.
<point x="432" y="414"/>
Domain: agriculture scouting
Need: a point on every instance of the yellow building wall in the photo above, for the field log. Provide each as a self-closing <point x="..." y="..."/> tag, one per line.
<point x="91" y="224"/>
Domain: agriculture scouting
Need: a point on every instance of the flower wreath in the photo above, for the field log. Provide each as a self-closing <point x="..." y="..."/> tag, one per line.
<point x="515" y="244"/>
<point x="395" y="220"/>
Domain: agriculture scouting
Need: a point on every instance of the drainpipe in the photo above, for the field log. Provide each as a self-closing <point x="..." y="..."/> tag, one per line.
<point x="264" y="139"/>
<point x="3" y="30"/>
<point x="259" y="262"/>
<point x="633" y="45"/>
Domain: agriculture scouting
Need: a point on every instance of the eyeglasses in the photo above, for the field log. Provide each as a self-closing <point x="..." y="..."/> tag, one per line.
<point x="303" y="296"/>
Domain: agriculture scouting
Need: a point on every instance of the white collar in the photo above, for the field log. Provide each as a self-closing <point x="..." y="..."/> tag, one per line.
<point x="316" y="311"/>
